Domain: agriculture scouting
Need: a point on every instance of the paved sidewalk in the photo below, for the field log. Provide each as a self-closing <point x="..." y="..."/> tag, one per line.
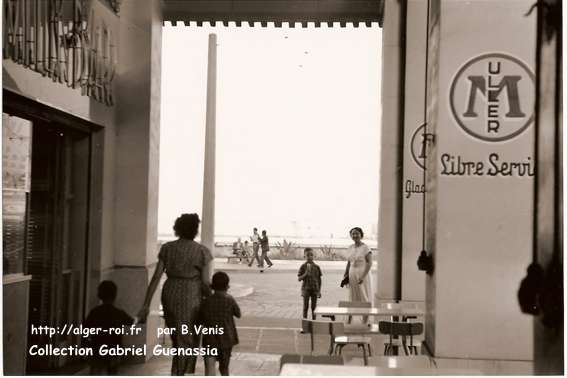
<point x="278" y="294"/>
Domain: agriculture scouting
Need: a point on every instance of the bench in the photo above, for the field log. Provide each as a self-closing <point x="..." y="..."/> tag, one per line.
<point x="233" y="259"/>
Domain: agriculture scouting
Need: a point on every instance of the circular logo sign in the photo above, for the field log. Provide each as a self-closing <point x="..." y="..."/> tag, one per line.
<point x="418" y="146"/>
<point x="492" y="97"/>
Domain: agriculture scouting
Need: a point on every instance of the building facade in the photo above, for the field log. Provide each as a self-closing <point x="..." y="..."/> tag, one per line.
<point x="459" y="178"/>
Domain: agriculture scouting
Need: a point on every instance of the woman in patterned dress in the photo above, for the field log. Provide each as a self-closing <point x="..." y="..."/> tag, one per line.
<point x="187" y="265"/>
<point x="358" y="270"/>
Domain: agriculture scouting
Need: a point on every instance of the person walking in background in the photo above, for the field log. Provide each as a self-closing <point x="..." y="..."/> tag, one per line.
<point x="265" y="245"/>
<point x="358" y="270"/>
<point x="218" y="312"/>
<point x="106" y="317"/>
<point x="255" y="238"/>
<point x="187" y="265"/>
<point x="310" y="274"/>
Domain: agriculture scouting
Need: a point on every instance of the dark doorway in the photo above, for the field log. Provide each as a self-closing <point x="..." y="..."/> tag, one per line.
<point x="57" y="236"/>
<point x="51" y="188"/>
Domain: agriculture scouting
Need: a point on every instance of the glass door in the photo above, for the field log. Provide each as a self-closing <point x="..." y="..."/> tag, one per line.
<point x="57" y="236"/>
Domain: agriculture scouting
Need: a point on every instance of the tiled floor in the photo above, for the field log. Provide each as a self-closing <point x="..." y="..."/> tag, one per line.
<point x="270" y="327"/>
<point x="258" y="352"/>
<point x="261" y="347"/>
<point x="240" y="364"/>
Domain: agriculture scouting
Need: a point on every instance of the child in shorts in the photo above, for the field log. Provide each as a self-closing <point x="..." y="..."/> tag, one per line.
<point x="218" y="311"/>
<point x="310" y="274"/>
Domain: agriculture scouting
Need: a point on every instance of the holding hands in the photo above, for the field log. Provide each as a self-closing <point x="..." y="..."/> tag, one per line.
<point x="143" y="314"/>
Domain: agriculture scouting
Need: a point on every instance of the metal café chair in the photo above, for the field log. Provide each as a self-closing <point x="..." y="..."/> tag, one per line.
<point x="338" y="339"/>
<point x="403" y="329"/>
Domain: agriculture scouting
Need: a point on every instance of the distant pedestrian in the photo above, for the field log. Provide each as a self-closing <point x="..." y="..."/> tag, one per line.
<point x="218" y="312"/>
<point x="265" y="245"/>
<point x="106" y="317"/>
<point x="310" y="274"/>
<point x="255" y="239"/>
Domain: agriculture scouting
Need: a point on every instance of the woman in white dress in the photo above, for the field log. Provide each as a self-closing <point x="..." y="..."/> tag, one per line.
<point x="358" y="269"/>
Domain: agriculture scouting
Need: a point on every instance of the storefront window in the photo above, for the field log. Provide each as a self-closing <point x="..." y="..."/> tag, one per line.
<point x="16" y="176"/>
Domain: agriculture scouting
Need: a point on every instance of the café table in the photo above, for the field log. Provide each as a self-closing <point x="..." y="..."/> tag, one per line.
<point x="354" y="370"/>
<point x="390" y="310"/>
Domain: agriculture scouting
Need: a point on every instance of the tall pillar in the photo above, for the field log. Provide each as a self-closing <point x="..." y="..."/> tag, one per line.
<point x="391" y="165"/>
<point x="402" y="155"/>
<point x="479" y="184"/>
<point x="548" y="217"/>
<point x="413" y="280"/>
<point x="208" y="216"/>
<point x="136" y="157"/>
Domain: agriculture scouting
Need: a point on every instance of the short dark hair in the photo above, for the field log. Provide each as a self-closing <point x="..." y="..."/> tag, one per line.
<point x="357" y="229"/>
<point x="187" y="226"/>
<point x="263" y="231"/>
<point x="220" y="281"/>
<point x="255" y="229"/>
<point x="308" y="249"/>
<point x="107" y="291"/>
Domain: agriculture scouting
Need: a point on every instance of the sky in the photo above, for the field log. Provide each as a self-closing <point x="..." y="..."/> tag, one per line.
<point x="298" y="128"/>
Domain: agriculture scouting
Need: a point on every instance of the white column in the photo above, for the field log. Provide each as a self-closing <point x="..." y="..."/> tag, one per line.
<point x="208" y="215"/>
<point x="131" y="167"/>
<point x="479" y="224"/>
<point x="390" y="211"/>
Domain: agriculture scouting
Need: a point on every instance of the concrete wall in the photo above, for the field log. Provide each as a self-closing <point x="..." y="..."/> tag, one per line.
<point x="480" y="226"/>
<point x="15" y="296"/>
<point x="138" y="116"/>
<point x="137" y="156"/>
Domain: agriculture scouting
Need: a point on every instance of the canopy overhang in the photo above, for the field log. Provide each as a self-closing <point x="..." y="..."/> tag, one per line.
<point x="278" y="12"/>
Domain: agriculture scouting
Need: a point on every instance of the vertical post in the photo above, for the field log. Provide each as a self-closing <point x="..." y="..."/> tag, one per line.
<point x="208" y="215"/>
<point x="548" y="193"/>
<point x="391" y="149"/>
<point x="398" y="258"/>
<point x="136" y="185"/>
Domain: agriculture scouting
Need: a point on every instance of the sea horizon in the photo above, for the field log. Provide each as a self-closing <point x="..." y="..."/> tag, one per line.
<point x="305" y="241"/>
